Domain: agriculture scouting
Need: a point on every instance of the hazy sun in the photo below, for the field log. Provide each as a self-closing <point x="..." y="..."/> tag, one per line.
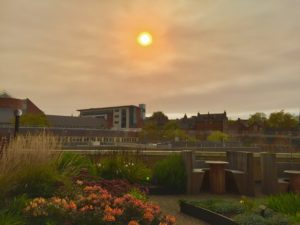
<point x="144" y="39"/>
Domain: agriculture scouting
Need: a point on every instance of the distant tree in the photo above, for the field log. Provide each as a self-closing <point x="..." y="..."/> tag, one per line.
<point x="282" y="120"/>
<point x="169" y="132"/>
<point x="150" y="132"/>
<point x="218" y="136"/>
<point x="159" y="118"/>
<point x="257" y="118"/>
<point x="35" y="120"/>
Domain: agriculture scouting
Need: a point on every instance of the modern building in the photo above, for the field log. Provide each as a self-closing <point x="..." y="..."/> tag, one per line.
<point x="118" y="117"/>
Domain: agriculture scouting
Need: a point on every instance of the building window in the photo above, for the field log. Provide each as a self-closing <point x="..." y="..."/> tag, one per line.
<point x="124" y="118"/>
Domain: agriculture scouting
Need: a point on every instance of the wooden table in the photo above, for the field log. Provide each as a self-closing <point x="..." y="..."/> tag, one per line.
<point x="217" y="176"/>
<point x="294" y="180"/>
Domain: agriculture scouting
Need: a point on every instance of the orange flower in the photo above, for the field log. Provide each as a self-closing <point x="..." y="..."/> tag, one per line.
<point x="148" y="216"/>
<point x="109" y="218"/>
<point x="72" y="205"/>
<point x="117" y="212"/>
<point x="108" y="209"/>
<point x="133" y="222"/>
<point x="170" y="219"/>
<point x="118" y="201"/>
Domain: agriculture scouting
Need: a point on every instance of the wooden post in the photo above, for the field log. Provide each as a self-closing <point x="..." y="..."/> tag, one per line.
<point x="269" y="181"/>
<point x="187" y="156"/>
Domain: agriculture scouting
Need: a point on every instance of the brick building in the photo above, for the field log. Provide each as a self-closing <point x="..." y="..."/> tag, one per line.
<point x="9" y="104"/>
<point x="118" y="117"/>
<point x="205" y="122"/>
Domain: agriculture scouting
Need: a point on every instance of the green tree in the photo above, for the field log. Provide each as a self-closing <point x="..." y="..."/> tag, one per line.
<point x="159" y="118"/>
<point x="282" y="120"/>
<point x="218" y="136"/>
<point x="33" y="119"/>
<point x="171" y="130"/>
<point x="257" y="118"/>
<point x="150" y="132"/>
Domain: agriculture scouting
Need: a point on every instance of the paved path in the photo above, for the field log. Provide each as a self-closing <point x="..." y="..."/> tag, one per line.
<point x="169" y="205"/>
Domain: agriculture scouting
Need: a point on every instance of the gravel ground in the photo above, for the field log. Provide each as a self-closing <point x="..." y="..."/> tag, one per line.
<point x="169" y="205"/>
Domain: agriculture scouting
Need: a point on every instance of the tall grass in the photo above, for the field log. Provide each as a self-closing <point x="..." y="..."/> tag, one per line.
<point x="27" y="165"/>
<point x="28" y="151"/>
<point x="288" y="203"/>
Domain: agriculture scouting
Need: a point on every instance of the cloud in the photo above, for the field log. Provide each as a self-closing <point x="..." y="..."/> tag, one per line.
<point x="207" y="54"/>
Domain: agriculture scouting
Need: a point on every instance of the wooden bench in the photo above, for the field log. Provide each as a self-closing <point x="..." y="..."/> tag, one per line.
<point x="274" y="180"/>
<point x="194" y="175"/>
<point x="240" y="171"/>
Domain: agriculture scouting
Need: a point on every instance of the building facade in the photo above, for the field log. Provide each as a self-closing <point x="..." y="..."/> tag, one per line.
<point x="9" y="104"/>
<point x="205" y="122"/>
<point x="119" y="117"/>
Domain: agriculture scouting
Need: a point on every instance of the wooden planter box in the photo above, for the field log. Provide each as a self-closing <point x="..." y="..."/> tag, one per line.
<point x="159" y="190"/>
<point x="205" y="215"/>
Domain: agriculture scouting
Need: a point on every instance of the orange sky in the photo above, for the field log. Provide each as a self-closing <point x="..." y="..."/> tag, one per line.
<point x="207" y="55"/>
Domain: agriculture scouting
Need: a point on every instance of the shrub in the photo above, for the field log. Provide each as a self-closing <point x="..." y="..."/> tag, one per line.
<point x="120" y="167"/>
<point x="250" y="219"/>
<point x="138" y="194"/>
<point x="170" y="173"/>
<point x="288" y="203"/>
<point x="7" y="218"/>
<point x="116" y="187"/>
<point x="95" y="206"/>
<point x="71" y="164"/>
<point x="37" y="181"/>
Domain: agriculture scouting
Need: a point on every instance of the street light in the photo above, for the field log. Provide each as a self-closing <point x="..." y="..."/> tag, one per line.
<point x="17" y="113"/>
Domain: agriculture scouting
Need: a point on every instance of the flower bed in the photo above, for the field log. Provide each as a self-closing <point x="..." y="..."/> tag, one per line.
<point x="95" y="206"/>
<point x="275" y="210"/>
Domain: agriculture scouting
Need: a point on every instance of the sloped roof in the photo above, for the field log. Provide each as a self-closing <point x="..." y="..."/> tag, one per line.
<point x="4" y="94"/>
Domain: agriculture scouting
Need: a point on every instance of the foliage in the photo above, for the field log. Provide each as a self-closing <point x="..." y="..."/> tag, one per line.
<point x="34" y="119"/>
<point x="36" y="181"/>
<point x="121" y="167"/>
<point x="7" y="218"/>
<point x="257" y="118"/>
<point x="159" y="118"/>
<point x="250" y="219"/>
<point x="138" y="194"/>
<point x="150" y="132"/>
<point x="222" y="206"/>
<point x="218" y="136"/>
<point x="167" y="132"/>
<point x="72" y="164"/>
<point x="170" y="173"/>
<point x="116" y="187"/>
<point x="11" y="214"/>
<point x="27" y="160"/>
<point x="287" y="203"/>
<point x="247" y="211"/>
<point x="28" y="151"/>
<point x="171" y="130"/>
<point x="282" y="120"/>
<point x="95" y="206"/>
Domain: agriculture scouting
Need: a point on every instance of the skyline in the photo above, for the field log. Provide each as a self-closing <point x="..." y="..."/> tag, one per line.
<point x="242" y="57"/>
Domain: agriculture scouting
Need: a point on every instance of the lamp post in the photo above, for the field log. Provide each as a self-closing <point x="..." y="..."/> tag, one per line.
<point x="18" y="113"/>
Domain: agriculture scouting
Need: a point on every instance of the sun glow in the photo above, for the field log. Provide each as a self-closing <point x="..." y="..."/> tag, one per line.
<point x="144" y="39"/>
